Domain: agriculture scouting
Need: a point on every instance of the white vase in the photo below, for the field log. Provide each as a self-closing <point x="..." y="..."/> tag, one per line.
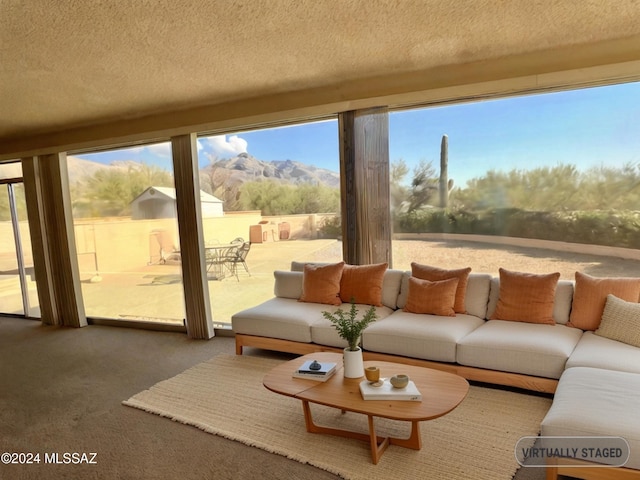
<point x="353" y="364"/>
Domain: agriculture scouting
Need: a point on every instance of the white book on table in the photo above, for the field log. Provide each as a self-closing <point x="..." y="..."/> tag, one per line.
<point x="313" y="376"/>
<point x="322" y="374"/>
<point x="325" y="368"/>
<point x="387" y="392"/>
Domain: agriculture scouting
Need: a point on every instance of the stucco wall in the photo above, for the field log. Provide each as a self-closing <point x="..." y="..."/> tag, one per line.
<point x="120" y="244"/>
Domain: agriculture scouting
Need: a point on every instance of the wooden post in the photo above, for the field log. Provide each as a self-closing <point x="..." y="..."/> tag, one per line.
<point x="53" y="241"/>
<point x="194" y="272"/>
<point x="364" y="186"/>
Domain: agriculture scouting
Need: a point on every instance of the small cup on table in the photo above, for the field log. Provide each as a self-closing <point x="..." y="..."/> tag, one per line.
<point x="372" y="374"/>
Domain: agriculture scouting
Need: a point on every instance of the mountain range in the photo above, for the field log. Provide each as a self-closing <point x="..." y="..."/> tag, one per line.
<point x="231" y="172"/>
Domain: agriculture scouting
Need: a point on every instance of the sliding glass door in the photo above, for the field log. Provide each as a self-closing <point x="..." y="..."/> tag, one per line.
<point x="18" y="292"/>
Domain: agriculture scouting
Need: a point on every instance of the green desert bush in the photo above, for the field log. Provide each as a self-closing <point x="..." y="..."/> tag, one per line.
<point x="598" y="227"/>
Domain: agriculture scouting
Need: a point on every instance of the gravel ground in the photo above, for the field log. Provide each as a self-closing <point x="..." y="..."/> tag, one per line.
<point x="487" y="258"/>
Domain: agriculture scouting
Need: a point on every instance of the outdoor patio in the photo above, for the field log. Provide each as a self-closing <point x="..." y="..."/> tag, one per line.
<point x="154" y="292"/>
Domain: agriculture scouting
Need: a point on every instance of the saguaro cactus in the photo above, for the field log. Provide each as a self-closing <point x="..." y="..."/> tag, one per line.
<point x="443" y="185"/>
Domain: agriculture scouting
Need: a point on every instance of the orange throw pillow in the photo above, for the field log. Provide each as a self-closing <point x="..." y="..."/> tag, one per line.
<point x="434" y="274"/>
<point x="363" y="283"/>
<point x="321" y="283"/>
<point x="590" y="295"/>
<point x="526" y="297"/>
<point x="434" y="298"/>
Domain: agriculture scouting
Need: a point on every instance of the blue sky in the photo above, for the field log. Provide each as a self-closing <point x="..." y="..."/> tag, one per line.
<point x="587" y="127"/>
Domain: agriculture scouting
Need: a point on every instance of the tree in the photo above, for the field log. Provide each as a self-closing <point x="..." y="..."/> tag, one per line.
<point x="550" y="189"/>
<point x="423" y="186"/>
<point x="398" y="192"/>
<point x="109" y="191"/>
<point x="420" y="192"/>
<point x="275" y="198"/>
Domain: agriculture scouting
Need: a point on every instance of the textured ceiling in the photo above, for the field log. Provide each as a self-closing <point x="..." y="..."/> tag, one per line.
<point x="69" y="63"/>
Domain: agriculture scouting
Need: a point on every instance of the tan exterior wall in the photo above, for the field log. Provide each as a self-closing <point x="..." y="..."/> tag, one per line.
<point x="120" y="244"/>
<point x="304" y="226"/>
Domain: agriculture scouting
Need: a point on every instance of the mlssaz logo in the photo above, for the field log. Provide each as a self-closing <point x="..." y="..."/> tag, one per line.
<point x="71" y="458"/>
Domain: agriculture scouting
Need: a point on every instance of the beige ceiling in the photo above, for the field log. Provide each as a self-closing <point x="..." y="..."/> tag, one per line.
<point x="87" y="66"/>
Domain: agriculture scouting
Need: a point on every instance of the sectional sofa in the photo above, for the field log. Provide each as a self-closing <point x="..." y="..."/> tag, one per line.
<point x="535" y="332"/>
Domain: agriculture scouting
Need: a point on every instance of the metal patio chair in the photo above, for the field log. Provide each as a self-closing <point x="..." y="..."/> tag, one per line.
<point x="238" y="256"/>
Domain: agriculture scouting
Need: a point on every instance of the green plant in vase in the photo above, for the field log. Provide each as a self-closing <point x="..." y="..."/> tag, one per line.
<point x="350" y="329"/>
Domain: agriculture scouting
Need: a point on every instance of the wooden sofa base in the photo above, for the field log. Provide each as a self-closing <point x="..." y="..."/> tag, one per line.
<point x="527" y="382"/>
<point x="587" y="471"/>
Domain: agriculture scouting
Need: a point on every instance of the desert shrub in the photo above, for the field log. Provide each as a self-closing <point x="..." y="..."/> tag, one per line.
<point x="331" y="227"/>
<point x="597" y="227"/>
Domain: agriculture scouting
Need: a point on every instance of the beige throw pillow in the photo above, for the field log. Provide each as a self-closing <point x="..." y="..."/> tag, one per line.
<point x="620" y="321"/>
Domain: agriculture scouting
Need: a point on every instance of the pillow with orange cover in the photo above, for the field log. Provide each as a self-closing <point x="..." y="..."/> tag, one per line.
<point x="434" y="274"/>
<point x="363" y="283"/>
<point x="434" y="298"/>
<point x="321" y="283"/>
<point x="590" y="296"/>
<point x="526" y="297"/>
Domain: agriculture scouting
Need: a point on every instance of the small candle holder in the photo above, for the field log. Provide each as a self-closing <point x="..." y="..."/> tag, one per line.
<point x="373" y="375"/>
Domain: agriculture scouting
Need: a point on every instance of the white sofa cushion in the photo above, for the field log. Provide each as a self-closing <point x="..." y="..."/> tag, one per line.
<point x="595" y="402"/>
<point x="561" y="303"/>
<point x="324" y="333"/>
<point x="475" y="300"/>
<point x="528" y="348"/>
<point x="600" y="352"/>
<point x="283" y="318"/>
<point x="429" y="337"/>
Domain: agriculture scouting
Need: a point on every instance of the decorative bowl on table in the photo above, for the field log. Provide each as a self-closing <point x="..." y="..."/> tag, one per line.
<point x="399" y="381"/>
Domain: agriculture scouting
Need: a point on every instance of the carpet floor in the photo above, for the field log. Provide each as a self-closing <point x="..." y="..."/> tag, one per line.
<point x="225" y="396"/>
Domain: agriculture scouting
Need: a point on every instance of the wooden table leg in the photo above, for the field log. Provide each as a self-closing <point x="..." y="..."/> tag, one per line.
<point x="377" y="448"/>
<point x="314" y="428"/>
<point x="378" y="444"/>
<point x="414" y="441"/>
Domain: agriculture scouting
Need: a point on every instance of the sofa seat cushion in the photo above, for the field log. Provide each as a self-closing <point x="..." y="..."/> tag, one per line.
<point x="428" y="337"/>
<point x="518" y="347"/>
<point x="324" y="333"/>
<point x="600" y="352"/>
<point x="597" y="402"/>
<point x="283" y="318"/>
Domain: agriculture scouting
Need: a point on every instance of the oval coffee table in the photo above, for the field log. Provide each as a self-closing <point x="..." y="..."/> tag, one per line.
<point x="441" y="393"/>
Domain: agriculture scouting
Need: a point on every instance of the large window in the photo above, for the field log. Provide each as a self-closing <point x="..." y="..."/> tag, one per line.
<point x="126" y="234"/>
<point x="280" y="194"/>
<point x="18" y="292"/>
<point x="520" y="182"/>
<point x="275" y="190"/>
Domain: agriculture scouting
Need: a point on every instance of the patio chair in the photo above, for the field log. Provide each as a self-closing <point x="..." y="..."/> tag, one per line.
<point x="168" y="247"/>
<point x="236" y="256"/>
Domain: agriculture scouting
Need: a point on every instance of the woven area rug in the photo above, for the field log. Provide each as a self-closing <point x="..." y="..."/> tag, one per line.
<point x="225" y="396"/>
